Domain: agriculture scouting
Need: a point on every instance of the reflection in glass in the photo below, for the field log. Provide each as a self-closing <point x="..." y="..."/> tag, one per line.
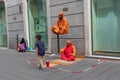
<point x="37" y="20"/>
<point x="106" y="27"/>
<point x="3" y="31"/>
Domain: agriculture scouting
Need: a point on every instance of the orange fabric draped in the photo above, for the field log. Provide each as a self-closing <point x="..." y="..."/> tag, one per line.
<point x="62" y="26"/>
<point x="68" y="53"/>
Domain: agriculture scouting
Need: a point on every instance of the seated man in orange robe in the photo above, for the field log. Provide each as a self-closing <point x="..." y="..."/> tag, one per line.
<point x="62" y="25"/>
<point x="69" y="52"/>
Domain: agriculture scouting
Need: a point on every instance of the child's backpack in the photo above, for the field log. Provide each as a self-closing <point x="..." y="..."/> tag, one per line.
<point x="22" y="46"/>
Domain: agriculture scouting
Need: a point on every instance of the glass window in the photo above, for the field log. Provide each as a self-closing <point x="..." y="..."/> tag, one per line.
<point x="37" y="21"/>
<point x="3" y="31"/>
<point x="106" y="27"/>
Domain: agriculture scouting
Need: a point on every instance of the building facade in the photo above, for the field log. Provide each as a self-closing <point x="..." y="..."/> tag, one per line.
<point x="94" y="25"/>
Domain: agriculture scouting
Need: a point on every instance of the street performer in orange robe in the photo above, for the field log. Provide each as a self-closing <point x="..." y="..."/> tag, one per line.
<point x="69" y="52"/>
<point x="62" y="25"/>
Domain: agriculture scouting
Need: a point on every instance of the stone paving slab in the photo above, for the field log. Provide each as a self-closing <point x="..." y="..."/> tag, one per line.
<point x="115" y="76"/>
<point x="109" y="73"/>
<point x="93" y="75"/>
<point x="13" y="66"/>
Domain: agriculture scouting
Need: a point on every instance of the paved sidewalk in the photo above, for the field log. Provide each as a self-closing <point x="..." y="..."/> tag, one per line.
<point x="14" y="66"/>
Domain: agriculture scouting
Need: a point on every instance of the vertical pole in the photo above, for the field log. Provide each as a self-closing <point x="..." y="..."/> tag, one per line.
<point x="58" y="43"/>
<point x="17" y="41"/>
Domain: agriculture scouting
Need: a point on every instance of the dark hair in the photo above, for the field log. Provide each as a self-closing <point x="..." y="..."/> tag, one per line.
<point x="38" y="37"/>
<point x="22" y="41"/>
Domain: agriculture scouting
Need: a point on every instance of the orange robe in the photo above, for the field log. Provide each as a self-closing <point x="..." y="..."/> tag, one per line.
<point x="68" y="53"/>
<point x="61" y="27"/>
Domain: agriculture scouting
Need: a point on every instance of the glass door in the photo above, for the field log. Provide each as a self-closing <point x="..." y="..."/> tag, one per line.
<point x="37" y="21"/>
<point x="3" y="31"/>
<point x="106" y="27"/>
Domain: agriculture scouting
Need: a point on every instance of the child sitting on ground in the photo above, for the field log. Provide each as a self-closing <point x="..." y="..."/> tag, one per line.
<point x="22" y="45"/>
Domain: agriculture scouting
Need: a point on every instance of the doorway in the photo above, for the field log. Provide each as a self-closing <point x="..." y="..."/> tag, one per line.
<point x="3" y="29"/>
<point x="37" y="14"/>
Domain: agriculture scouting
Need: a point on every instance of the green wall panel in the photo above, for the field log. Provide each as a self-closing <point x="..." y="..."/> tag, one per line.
<point x="37" y="21"/>
<point x="106" y="25"/>
<point x="3" y="31"/>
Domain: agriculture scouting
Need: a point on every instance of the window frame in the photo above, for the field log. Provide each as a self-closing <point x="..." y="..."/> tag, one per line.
<point x="88" y="31"/>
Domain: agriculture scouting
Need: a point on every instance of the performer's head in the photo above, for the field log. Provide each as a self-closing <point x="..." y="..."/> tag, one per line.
<point x="61" y="15"/>
<point x="68" y="42"/>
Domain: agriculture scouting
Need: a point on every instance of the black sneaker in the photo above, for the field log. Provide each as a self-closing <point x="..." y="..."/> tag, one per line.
<point x="39" y="67"/>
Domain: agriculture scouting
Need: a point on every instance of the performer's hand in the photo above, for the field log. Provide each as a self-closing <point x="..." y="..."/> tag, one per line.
<point x="60" y="27"/>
